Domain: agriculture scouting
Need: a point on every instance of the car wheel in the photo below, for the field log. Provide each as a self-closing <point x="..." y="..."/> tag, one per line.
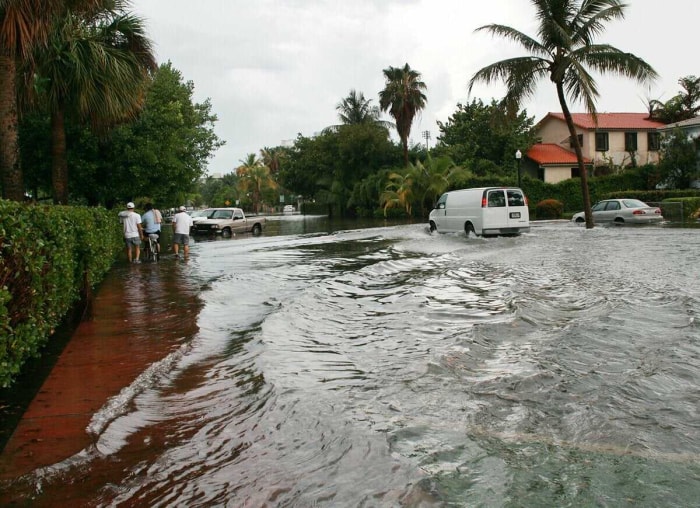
<point x="432" y="228"/>
<point x="257" y="229"/>
<point x="580" y="220"/>
<point x="469" y="229"/>
<point x="619" y="221"/>
<point x="226" y="233"/>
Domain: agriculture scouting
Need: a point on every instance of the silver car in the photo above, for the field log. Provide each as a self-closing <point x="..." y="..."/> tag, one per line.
<point x="622" y="211"/>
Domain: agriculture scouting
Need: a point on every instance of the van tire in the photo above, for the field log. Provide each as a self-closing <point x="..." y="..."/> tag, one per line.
<point x="469" y="229"/>
<point x="432" y="228"/>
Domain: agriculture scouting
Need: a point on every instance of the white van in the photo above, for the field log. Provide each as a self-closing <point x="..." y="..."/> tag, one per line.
<point x="484" y="211"/>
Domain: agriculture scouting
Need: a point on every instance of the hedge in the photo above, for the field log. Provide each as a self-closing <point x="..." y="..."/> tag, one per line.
<point x="50" y="257"/>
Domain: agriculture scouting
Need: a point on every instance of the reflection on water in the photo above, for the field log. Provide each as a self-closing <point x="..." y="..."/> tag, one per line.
<point x="350" y="366"/>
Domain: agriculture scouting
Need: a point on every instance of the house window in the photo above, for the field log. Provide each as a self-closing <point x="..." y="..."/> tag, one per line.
<point x="580" y="140"/>
<point x="653" y="141"/>
<point x="602" y="142"/>
<point x="575" y="173"/>
<point x="630" y="141"/>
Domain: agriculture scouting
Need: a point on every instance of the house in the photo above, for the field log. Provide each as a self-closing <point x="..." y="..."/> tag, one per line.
<point x="690" y="127"/>
<point x="552" y="163"/>
<point x="616" y="141"/>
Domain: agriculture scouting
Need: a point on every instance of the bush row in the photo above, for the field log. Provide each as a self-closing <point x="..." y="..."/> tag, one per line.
<point x="50" y="256"/>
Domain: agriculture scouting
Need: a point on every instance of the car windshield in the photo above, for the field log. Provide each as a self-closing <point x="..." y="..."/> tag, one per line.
<point x="200" y="213"/>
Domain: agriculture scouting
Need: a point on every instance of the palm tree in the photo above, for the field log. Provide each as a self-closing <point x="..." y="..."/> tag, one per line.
<point x="255" y="179"/>
<point x="24" y="24"/>
<point x="403" y="97"/>
<point x="683" y="106"/>
<point x="96" y="67"/>
<point x="355" y="109"/>
<point x="563" y="54"/>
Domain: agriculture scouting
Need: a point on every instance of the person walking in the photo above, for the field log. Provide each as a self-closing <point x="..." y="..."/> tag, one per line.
<point x="182" y="222"/>
<point x="150" y="221"/>
<point x="133" y="232"/>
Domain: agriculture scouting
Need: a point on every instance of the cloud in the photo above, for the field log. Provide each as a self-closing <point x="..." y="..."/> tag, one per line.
<point x="274" y="68"/>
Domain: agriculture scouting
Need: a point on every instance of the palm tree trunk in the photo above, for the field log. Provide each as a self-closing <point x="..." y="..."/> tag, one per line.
<point x="59" y="160"/>
<point x="579" y="156"/>
<point x="10" y="169"/>
<point x="404" y="142"/>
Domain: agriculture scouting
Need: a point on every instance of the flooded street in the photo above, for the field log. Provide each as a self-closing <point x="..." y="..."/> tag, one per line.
<point x="333" y="366"/>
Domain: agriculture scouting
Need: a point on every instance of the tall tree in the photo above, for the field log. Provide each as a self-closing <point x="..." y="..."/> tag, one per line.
<point x="95" y="69"/>
<point x="481" y="136"/>
<point x="255" y="179"/>
<point x="403" y="97"/>
<point x="23" y="25"/>
<point x="684" y="106"/>
<point x="564" y="53"/>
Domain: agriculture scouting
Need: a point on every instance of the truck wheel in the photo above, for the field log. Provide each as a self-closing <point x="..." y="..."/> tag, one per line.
<point x="469" y="229"/>
<point x="257" y="229"/>
<point x="226" y="233"/>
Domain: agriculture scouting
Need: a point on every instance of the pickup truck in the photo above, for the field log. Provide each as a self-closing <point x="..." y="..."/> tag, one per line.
<point x="227" y="222"/>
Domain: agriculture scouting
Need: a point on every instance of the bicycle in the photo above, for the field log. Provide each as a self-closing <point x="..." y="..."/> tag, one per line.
<point x="150" y="248"/>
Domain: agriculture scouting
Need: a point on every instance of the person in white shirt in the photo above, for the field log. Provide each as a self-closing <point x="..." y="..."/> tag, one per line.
<point x="182" y="222"/>
<point x="133" y="233"/>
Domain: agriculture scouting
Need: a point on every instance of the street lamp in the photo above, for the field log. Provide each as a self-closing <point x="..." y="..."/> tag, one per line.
<point x="518" y="156"/>
<point x="426" y="136"/>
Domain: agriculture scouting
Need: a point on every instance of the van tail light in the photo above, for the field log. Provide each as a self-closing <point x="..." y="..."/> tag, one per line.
<point x="484" y="204"/>
<point x="525" y="199"/>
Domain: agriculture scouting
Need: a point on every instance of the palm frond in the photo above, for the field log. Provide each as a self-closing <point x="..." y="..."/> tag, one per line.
<point x="527" y="42"/>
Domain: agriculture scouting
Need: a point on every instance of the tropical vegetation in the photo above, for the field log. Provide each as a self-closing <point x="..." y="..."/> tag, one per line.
<point x="683" y="106"/>
<point x="403" y="98"/>
<point x="564" y="53"/>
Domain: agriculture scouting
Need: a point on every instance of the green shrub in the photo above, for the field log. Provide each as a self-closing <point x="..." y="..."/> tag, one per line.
<point x="49" y="254"/>
<point x="549" y="209"/>
<point x="681" y="209"/>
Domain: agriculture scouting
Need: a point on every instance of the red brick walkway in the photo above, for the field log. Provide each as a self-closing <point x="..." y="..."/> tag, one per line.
<point x="138" y="319"/>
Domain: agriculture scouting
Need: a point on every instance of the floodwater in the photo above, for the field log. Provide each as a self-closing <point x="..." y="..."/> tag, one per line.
<point x="383" y="366"/>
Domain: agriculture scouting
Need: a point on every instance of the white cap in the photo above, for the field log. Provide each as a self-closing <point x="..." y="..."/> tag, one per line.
<point x="182" y="208"/>
<point x="130" y="205"/>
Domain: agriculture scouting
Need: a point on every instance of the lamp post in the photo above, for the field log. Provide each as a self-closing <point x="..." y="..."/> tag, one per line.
<point x="518" y="156"/>
<point x="426" y="135"/>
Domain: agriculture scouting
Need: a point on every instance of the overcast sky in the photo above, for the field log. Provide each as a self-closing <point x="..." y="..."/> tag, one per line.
<point x="277" y="68"/>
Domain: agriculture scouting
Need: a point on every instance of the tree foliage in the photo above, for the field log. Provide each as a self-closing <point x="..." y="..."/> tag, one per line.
<point x="403" y="97"/>
<point x="162" y="154"/>
<point x="477" y="134"/>
<point x="683" y="106"/>
<point x="327" y="167"/>
<point x="679" y="160"/>
<point x="94" y="70"/>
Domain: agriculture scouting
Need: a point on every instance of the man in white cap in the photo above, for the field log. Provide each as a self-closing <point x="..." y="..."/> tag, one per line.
<point x="133" y="233"/>
<point x="182" y="222"/>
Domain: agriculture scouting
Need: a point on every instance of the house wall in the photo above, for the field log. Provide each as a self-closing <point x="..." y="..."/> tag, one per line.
<point x="553" y="130"/>
<point x="556" y="175"/>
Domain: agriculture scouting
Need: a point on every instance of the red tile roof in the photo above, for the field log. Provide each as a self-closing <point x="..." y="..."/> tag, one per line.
<point x="550" y="153"/>
<point x="610" y="121"/>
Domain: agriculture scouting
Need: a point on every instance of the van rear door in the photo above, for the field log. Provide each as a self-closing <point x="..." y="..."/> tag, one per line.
<point x="518" y="214"/>
<point x="505" y="212"/>
<point x="495" y="211"/>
